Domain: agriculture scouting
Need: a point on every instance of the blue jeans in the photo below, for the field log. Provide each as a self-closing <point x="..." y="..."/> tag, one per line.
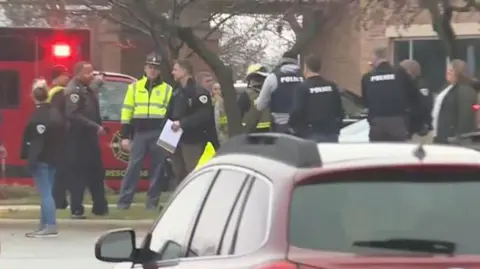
<point x="44" y="176"/>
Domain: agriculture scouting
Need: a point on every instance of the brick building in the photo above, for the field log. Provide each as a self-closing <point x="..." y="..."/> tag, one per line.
<point x="346" y="49"/>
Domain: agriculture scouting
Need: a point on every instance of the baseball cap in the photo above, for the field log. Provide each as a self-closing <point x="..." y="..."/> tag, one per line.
<point x="59" y="70"/>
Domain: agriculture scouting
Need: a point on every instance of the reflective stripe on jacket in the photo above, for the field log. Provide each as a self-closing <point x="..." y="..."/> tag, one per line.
<point x="207" y="155"/>
<point x="139" y="103"/>
<point x="53" y="91"/>
<point x="265" y="118"/>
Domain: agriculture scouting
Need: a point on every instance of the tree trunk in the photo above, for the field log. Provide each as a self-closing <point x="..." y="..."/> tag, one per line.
<point x="167" y="63"/>
<point x="311" y="25"/>
<point x="223" y="74"/>
<point x="441" y="23"/>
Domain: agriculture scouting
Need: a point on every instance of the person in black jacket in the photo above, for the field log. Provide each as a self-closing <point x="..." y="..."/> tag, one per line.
<point x="420" y="120"/>
<point x="389" y="94"/>
<point x="84" y="160"/>
<point x="41" y="149"/>
<point x="191" y="110"/>
<point x="317" y="112"/>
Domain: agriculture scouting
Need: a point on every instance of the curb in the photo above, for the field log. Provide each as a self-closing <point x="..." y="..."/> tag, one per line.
<point x="101" y="224"/>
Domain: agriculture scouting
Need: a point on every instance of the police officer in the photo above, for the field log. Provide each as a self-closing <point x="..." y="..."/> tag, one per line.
<point x="84" y="162"/>
<point x="143" y="117"/>
<point x="317" y="112"/>
<point x="420" y="120"/>
<point x="192" y="111"/>
<point x="388" y="94"/>
<point x="56" y="97"/>
<point x="41" y="148"/>
<point x="277" y="91"/>
<point x="253" y="120"/>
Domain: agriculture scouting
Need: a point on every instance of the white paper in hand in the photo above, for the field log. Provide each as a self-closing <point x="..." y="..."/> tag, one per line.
<point x="169" y="139"/>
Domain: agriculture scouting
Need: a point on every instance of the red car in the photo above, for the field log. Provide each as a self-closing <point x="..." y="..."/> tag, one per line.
<point x="273" y="201"/>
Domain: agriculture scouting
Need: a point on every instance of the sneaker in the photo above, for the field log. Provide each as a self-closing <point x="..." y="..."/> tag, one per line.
<point x="46" y="232"/>
<point x="78" y="216"/>
<point x="123" y="207"/>
<point x="151" y="207"/>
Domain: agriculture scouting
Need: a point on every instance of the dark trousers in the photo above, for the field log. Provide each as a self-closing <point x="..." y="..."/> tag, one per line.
<point x="388" y="129"/>
<point x="323" y="138"/>
<point x="86" y="171"/>
<point x="185" y="159"/>
<point x="280" y="128"/>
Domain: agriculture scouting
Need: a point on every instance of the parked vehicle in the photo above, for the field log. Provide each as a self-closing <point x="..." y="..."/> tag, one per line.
<point x="274" y="201"/>
<point x="29" y="53"/>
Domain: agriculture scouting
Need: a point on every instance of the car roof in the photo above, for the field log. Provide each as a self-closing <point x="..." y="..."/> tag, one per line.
<point x="115" y="75"/>
<point x="351" y="154"/>
<point x="283" y="160"/>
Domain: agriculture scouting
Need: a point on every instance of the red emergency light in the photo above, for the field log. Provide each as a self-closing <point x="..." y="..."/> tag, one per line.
<point x="476" y="107"/>
<point x="61" y="50"/>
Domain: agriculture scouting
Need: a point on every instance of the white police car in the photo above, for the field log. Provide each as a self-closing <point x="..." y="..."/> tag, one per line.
<point x="355" y="132"/>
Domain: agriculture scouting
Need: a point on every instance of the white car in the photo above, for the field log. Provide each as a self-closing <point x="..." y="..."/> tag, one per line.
<point x="355" y="132"/>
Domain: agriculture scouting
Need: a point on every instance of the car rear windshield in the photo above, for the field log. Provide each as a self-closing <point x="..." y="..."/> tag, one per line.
<point x="332" y="212"/>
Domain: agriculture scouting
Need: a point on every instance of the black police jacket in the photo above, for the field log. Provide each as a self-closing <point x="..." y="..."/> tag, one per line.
<point x="192" y="106"/>
<point x="388" y="91"/>
<point x="317" y="107"/>
<point x="82" y="108"/>
<point x="43" y="136"/>
<point x="421" y="113"/>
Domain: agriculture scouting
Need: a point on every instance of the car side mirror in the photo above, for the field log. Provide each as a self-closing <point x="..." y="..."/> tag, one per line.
<point x="116" y="246"/>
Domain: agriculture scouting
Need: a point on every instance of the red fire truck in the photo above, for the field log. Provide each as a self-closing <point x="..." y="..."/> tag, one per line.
<point x="27" y="53"/>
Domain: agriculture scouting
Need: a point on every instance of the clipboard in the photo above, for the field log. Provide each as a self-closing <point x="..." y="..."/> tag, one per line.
<point x="168" y="138"/>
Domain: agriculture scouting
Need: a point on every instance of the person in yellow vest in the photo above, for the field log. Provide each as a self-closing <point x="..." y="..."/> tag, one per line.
<point x="254" y="121"/>
<point x="220" y="115"/>
<point x="56" y="97"/>
<point x="143" y="117"/>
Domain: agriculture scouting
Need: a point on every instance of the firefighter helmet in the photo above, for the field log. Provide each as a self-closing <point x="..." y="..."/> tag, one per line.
<point x="256" y="69"/>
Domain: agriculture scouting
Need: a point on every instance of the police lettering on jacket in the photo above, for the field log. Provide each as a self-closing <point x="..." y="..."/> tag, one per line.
<point x="320" y="89"/>
<point x="382" y="77"/>
<point x="388" y="91"/>
<point x="317" y="107"/>
<point x="291" y="79"/>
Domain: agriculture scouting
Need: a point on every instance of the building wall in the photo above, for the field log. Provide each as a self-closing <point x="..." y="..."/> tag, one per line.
<point x="347" y="39"/>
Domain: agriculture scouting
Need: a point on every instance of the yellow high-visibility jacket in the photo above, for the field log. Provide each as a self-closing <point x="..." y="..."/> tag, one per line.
<point x="140" y="104"/>
<point x="207" y="155"/>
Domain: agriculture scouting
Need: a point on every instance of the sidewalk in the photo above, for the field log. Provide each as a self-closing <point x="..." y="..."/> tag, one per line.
<point x="36" y="207"/>
<point x="86" y="224"/>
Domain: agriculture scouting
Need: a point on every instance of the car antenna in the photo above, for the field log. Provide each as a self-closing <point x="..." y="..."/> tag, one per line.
<point x="420" y="152"/>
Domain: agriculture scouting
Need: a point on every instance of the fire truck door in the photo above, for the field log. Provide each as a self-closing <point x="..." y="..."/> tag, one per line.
<point x="111" y="96"/>
<point x="16" y="105"/>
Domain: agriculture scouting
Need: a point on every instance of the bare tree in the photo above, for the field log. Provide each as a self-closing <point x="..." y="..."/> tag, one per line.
<point x="167" y="25"/>
<point x="244" y="42"/>
<point x="404" y="12"/>
<point x="165" y="22"/>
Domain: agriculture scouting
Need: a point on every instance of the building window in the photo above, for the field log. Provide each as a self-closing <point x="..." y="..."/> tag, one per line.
<point x="431" y="55"/>
<point x="402" y="50"/>
<point x="9" y="89"/>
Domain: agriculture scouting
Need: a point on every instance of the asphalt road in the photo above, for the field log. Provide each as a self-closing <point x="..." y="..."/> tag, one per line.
<point x="73" y="249"/>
